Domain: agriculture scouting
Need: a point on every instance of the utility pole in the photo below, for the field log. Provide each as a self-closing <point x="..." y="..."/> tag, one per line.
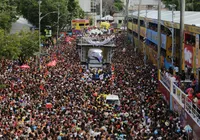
<point x="145" y="49"/>
<point x="173" y="47"/>
<point x="40" y="49"/>
<point x="94" y="4"/>
<point x="159" y="34"/>
<point x="132" y="32"/>
<point x="182" y="14"/>
<point x="126" y="19"/>
<point x="58" y="24"/>
<point x="100" y="9"/>
<point x="139" y="6"/>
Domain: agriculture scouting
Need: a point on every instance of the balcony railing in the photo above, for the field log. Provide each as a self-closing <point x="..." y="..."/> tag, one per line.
<point x="190" y="107"/>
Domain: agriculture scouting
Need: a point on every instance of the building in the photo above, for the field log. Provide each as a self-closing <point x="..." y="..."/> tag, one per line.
<point x="85" y="5"/>
<point x="89" y="7"/>
<point x="146" y="4"/>
<point x="170" y="55"/>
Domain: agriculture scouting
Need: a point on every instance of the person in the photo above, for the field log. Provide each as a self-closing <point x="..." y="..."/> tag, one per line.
<point x="77" y="113"/>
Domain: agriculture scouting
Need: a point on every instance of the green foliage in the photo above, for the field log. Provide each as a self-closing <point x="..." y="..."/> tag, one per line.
<point x="28" y="44"/>
<point x="69" y="9"/>
<point x="20" y="45"/>
<point x="8" y="13"/>
<point x="9" y="45"/>
<point x="91" y="21"/>
<point x="119" y="5"/>
<point x="190" y="5"/>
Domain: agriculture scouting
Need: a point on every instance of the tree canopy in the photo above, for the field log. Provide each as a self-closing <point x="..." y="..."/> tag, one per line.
<point x="190" y="5"/>
<point x="68" y="9"/>
<point x="19" y="45"/>
<point x="8" y="13"/>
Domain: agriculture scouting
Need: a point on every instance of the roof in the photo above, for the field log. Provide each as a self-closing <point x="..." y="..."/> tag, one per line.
<point x="108" y="17"/>
<point x="144" y="2"/>
<point x="191" y="17"/>
<point x="112" y="97"/>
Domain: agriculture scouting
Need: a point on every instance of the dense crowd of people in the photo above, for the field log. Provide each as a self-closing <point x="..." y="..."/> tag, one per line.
<point x="75" y="112"/>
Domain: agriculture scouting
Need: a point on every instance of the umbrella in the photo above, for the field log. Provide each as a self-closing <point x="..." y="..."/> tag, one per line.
<point x="25" y="66"/>
<point x="48" y="105"/>
<point x="95" y="94"/>
<point x="52" y="63"/>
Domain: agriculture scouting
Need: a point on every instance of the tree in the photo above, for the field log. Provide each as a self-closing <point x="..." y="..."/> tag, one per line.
<point x="20" y="45"/>
<point x="8" y="14"/>
<point x="110" y="7"/>
<point x="191" y="5"/>
<point x="28" y="44"/>
<point x="68" y="9"/>
<point x="9" y="45"/>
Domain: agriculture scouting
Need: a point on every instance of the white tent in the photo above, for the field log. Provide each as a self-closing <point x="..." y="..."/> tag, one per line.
<point x="108" y="17"/>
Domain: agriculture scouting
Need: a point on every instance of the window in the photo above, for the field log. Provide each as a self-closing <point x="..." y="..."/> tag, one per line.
<point x="189" y="39"/>
<point x="120" y="21"/>
<point x="81" y="24"/>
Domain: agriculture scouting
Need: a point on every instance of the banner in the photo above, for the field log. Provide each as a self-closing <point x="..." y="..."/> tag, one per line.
<point x="188" y="55"/>
<point x="153" y="37"/>
<point x="98" y="43"/>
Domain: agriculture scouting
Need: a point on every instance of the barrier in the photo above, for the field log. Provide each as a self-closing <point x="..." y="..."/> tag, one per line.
<point x="188" y="105"/>
<point x="165" y="81"/>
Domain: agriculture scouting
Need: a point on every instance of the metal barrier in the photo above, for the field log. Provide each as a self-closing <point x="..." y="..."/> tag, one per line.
<point x="165" y="80"/>
<point x="192" y="110"/>
<point x="179" y="95"/>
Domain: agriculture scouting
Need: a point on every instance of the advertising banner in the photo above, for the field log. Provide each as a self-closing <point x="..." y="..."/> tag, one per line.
<point x="153" y="37"/>
<point x="188" y="54"/>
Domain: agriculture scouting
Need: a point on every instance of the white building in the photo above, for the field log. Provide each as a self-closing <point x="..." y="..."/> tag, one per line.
<point x="85" y="5"/>
<point x="146" y="4"/>
<point x="88" y="6"/>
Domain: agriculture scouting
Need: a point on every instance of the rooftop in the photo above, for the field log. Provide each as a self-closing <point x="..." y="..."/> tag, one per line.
<point x="191" y="18"/>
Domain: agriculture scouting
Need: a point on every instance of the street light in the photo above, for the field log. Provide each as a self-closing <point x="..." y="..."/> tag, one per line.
<point x="40" y="18"/>
<point x="145" y="53"/>
<point x="58" y="24"/>
<point x="172" y="31"/>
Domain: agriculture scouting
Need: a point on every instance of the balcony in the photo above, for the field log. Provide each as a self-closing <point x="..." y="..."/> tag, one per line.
<point x="181" y="98"/>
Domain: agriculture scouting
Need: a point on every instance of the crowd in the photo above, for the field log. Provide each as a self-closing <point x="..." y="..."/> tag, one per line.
<point x="75" y="113"/>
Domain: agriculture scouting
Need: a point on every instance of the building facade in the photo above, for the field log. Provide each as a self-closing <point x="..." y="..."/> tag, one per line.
<point x="146" y="4"/>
